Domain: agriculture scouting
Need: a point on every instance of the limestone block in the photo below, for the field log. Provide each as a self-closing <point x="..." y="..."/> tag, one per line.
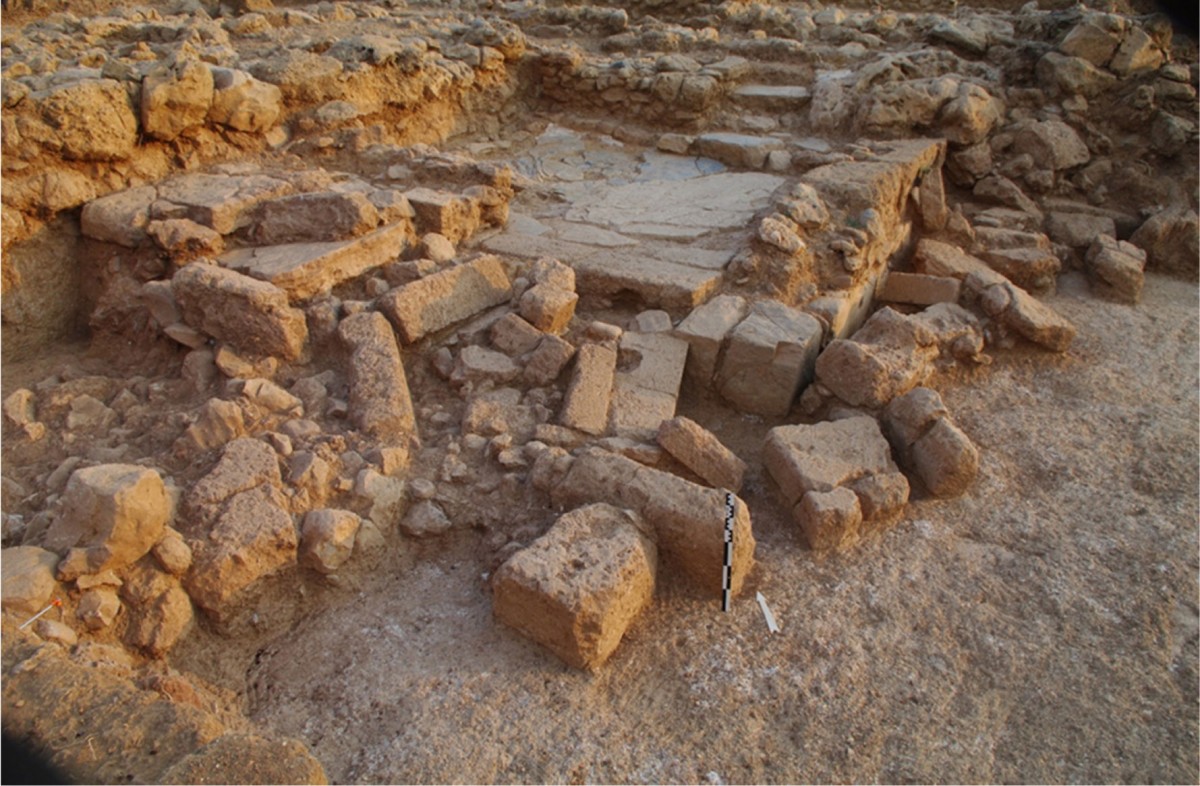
<point x="444" y="298"/>
<point x="453" y="216"/>
<point x="919" y="289"/>
<point x="1030" y="268"/>
<point x="1078" y="230"/>
<point x="552" y="273"/>
<point x="705" y="329"/>
<point x="27" y="573"/>
<point x="585" y="406"/>
<point x="737" y="150"/>
<point x="115" y="511"/>
<point x="1137" y="52"/>
<point x="380" y="404"/>
<point x="176" y="99"/>
<point x="1018" y="310"/>
<point x="425" y="519"/>
<point x="699" y="450"/>
<point x="548" y="360"/>
<point x="513" y="336"/>
<point x="243" y="103"/>
<point x="928" y="442"/>
<point x="251" y="315"/>
<point x="887" y="356"/>
<point x="173" y="553"/>
<point x="1116" y="268"/>
<point x="244" y="464"/>
<point x="380" y="498"/>
<point x="935" y="258"/>
<point x="646" y="384"/>
<point x="829" y="519"/>
<point x="98" y="608"/>
<point x="1171" y="240"/>
<point x="119" y="218"/>
<point x="548" y="308"/>
<point x="183" y="238"/>
<point x="327" y="538"/>
<point x="577" y="589"/>
<point x="218" y="423"/>
<point x="159" y="610"/>
<point x="476" y="364"/>
<point x="314" y="217"/>
<point x="769" y="359"/>
<point x="1095" y="39"/>
<point x="93" y="118"/>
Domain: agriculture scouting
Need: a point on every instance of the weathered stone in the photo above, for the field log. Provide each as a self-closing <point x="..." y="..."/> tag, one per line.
<point x="219" y="423"/>
<point x="1072" y="76"/>
<point x="159" y="610"/>
<point x="450" y="215"/>
<point x="89" y="414"/>
<point x="437" y="247"/>
<point x="918" y="289"/>
<point x="928" y="442"/>
<point x="646" y="383"/>
<point x="173" y="553"/>
<point x="243" y="103"/>
<point x="115" y="511"/>
<point x="53" y="630"/>
<point x="19" y="407"/>
<point x="380" y="404"/>
<point x="1171" y="240"/>
<point x="577" y="588"/>
<point x="700" y="451"/>
<point x="737" y="150"/>
<point x="183" y="238"/>
<point x="769" y="359"/>
<point x="381" y="498"/>
<point x="1052" y="144"/>
<point x="1078" y="230"/>
<point x="476" y="364"/>
<point x="548" y="308"/>
<point x="651" y="321"/>
<point x="705" y="329"/>
<point x="268" y="397"/>
<point x="935" y="258"/>
<point x="176" y="99"/>
<point x="244" y="464"/>
<point x="888" y="356"/>
<point x="514" y="336"/>
<point x="314" y="217"/>
<point x="306" y="270"/>
<point x="585" y="406"/>
<point x="444" y="298"/>
<point x="119" y="218"/>
<point x="1031" y="268"/>
<point x="932" y="201"/>
<point x="1095" y="39"/>
<point x="107" y="131"/>
<point x="831" y="519"/>
<point x="98" y="608"/>
<point x="327" y="538"/>
<point x="1138" y="52"/>
<point x="548" y="360"/>
<point x="425" y="519"/>
<point x="1116" y="268"/>
<point x="251" y="315"/>
<point x="688" y="518"/>
<point x="28" y="579"/>
<point x="1017" y="309"/>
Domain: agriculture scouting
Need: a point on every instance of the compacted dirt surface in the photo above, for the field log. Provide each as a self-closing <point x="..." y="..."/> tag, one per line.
<point x="317" y="317"/>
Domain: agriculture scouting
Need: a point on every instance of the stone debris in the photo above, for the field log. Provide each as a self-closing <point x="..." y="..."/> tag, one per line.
<point x="918" y="289"/>
<point x="160" y="612"/>
<point x="576" y="589"/>
<point x="28" y="577"/>
<point x="928" y="443"/>
<point x="838" y="478"/>
<point x="700" y="451"/>
<point x="1017" y="310"/>
<point x="444" y="298"/>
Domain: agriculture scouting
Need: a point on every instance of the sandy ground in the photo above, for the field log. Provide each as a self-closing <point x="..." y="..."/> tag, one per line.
<point x="1042" y="628"/>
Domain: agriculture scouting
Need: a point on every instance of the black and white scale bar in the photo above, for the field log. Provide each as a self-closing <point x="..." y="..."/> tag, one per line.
<point x="727" y="567"/>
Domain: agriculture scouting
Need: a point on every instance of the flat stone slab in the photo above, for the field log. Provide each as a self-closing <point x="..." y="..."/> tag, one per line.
<point x="646" y="388"/>
<point x="882" y="183"/>
<point x="304" y="270"/>
<point x="773" y="96"/>
<point x="434" y="302"/>
<point x="740" y="150"/>
<point x="657" y="282"/>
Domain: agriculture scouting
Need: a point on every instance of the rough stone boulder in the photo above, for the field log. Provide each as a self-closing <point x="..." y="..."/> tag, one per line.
<point x="327" y="538"/>
<point x="116" y="512"/>
<point x="1052" y="144"/>
<point x="159" y="610"/>
<point x="1116" y="268"/>
<point x="1017" y="310"/>
<point x="928" y="442"/>
<point x="887" y="356"/>
<point x="585" y="406"/>
<point x="241" y="525"/>
<point x="380" y="404"/>
<point x="175" y="99"/>
<point x="769" y="359"/>
<point x="93" y="120"/>
<point x="688" y="518"/>
<point x="705" y="330"/>
<point x="838" y="478"/>
<point x="28" y="579"/>
<point x="251" y="315"/>
<point x="119" y="218"/>
<point x="576" y="589"/>
<point x="699" y="450"/>
<point x="243" y="103"/>
<point x="1171" y="240"/>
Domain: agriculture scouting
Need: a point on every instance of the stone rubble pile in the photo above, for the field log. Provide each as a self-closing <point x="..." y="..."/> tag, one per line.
<point x="814" y="215"/>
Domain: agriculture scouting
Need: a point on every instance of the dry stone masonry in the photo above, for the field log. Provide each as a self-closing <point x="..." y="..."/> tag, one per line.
<point x="359" y="280"/>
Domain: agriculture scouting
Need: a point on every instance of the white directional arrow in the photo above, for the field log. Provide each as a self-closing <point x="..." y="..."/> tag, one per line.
<point x="762" y="603"/>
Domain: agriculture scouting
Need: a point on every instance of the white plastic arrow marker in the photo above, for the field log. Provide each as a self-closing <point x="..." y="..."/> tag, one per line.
<point x="762" y="603"/>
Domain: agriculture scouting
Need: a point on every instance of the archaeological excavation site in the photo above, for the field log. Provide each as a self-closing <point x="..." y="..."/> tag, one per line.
<point x="398" y="391"/>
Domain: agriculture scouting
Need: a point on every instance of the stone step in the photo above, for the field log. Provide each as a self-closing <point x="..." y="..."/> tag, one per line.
<point x="774" y="97"/>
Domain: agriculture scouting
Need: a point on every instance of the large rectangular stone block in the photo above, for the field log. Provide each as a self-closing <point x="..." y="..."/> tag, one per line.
<point x="440" y="300"/>
<point x="646" y="387"/>
<point x="705" y="330"/>
<point x="380" y="405"/>
<point x="585" y="406"/>
<point x="769" y="359"/>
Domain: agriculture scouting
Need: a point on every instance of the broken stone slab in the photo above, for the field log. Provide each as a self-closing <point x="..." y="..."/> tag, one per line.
<point x="380" y="404"/>
<point x="117" y="512"/>
<point x="218" y="423"/>
<point x="646" y="384"/>
<point x="477" y="365"/>
<point x="699" y="450"/>
<point x="769" y="359"/>
<point x="223" y="203"/>
<point x="918" y="289"/>
<point x="576" y="589"/>
<point x="327" y="538"/>
<point x="546" y="362"/>
<point x="313" y="218"/>
<point x="585" y="406"/>
<point x="656" y="282"/>
<point x="928" y="442"/>
<point x="773" y="97"/>
<point x="881" y="183"/>
<point x="688" y="518"/>
<point x="811" y="463"/>
<point x="887" y="356"/>
<point x="705" y="329"/>
<point x="451" y="215"/>
<point x="1033" y="269"/>
<point x="440" y="300"/>
<point x="1116" y="268"/>
<point x="1019" y="311"/>
<point x="305" y="270"/>
<point x="252" y="315"/>
<point x="737" y="150"/>
<point x="119" y="218"/>
<point x="513" y="336"/>
<point x="935" y="258"/>
<point x="244" y="464"/>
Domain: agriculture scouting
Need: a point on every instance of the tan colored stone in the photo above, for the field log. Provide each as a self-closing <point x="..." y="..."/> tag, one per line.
<point x="699" y="450"/>
<point x="830" y="520"/>
<point x="327" y="538"/>
<point x="379" y="398"/>
<point x="440" y="300"/>
<point x="548" y="308"/>
<point x="585" y="406"/>
<point x="28" y="578"/>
